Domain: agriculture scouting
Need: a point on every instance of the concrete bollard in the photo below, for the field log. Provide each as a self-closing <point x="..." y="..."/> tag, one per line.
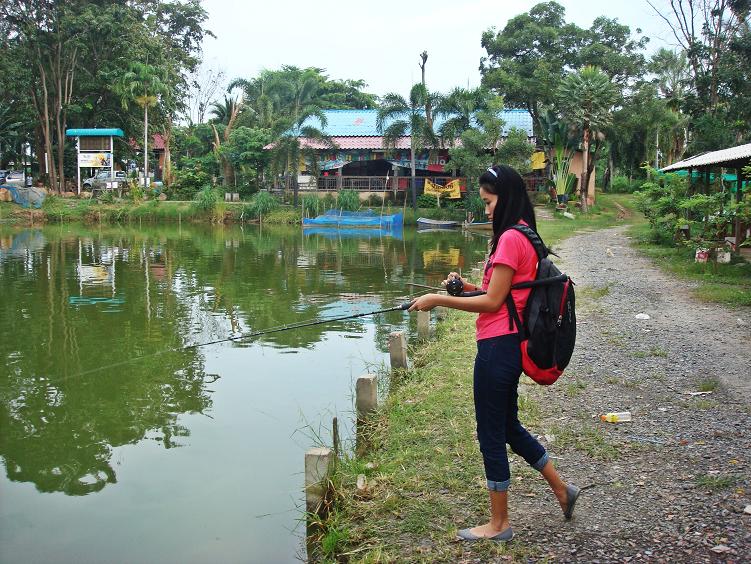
<point x="318" y="463"/>
<point x="423" y="325"/>
<point x="366" y="395"/>
<point x="398" y="349"/>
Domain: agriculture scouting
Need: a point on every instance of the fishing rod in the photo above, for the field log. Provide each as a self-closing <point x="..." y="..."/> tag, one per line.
<point x="279" y="328"/>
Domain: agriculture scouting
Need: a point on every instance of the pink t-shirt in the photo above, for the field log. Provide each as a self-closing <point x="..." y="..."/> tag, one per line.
<point x="513" y="250"/>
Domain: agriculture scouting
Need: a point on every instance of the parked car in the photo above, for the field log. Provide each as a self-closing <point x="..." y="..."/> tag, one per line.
<point x="3" y="175"/>
<point x="100" y="178"/>
<point x="15" y="178"/>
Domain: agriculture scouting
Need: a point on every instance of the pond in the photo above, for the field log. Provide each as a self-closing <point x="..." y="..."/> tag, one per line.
<point x="120" y="445"/>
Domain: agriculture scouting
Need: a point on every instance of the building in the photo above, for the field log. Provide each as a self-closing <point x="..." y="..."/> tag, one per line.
<point x="361" y="160"/>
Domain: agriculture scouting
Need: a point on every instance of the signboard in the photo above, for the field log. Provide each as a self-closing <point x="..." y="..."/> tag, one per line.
<point x="95" y="160"/>
<point x="452" y="190"/>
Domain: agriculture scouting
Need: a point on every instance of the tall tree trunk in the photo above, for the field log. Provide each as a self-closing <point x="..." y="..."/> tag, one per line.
<point x="145" y="145"/>
<point x="167" y="136"/>
<point x="413" y="182"/>
<point x="584" y="188"/>
<point x="43" y="116"/>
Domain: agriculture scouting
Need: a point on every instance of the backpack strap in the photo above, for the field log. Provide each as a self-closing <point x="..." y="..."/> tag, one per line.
<point x="513" y="315"/>
<point x="537" y="242"/>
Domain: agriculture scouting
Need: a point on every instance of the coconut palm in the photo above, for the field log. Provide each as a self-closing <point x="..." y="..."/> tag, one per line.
<point x="225" y="114"/>
<point x="585" y="99"/>
<point x="460" y="108"/>
<point x="398" y="118"/>
<point x="143" y="84"/>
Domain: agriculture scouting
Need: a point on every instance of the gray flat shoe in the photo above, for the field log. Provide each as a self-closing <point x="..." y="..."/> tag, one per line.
<point x="503" y="536"/>
<point x="573" y="494"/>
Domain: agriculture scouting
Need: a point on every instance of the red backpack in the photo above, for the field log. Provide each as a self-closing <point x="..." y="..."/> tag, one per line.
<point x="548" y="330"/>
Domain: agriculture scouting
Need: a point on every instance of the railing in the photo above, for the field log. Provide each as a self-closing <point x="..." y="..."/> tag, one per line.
<point x="383" y="184"/>
<point x="363" y="183"/>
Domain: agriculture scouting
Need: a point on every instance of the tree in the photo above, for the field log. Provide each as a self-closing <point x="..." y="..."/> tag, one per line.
<point x="226" y="115"/>
<point x="516" y="151"/>
<point x="586" y="99"/>
<point x="143" y="84"/>
<point x="398" y="118"/>
<point x="527" y="59"/>
<point x="459" y="109"/>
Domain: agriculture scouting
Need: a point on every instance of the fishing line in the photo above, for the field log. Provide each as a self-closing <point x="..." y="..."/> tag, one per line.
<point x="279" y="328"/>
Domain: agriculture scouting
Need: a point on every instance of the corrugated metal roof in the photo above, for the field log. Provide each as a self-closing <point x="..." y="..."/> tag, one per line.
<point x="362" y="123"/>
<point x="94" y="132"/>
<point x="359" y="142"/>
<point x="713" y="157"/>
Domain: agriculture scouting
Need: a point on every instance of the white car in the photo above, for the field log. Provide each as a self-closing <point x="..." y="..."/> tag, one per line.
<point x="100" y="178"/>
<point x="15" y="178"/>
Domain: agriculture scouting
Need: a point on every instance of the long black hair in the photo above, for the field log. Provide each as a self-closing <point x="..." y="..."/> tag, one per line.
<point x="513" y="202"/>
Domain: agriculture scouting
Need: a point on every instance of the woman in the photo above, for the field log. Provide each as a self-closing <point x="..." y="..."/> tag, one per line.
<point x="498" y="362"/>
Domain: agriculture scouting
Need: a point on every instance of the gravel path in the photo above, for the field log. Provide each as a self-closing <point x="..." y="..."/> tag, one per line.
<point x="673" y="484"/>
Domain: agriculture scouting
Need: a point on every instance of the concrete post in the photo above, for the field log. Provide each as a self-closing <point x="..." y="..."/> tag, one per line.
<point x="318" y="462"/>
<point x="398" y="349"/>
<point x="366" y="395"/>
<point x="423" y="325"/>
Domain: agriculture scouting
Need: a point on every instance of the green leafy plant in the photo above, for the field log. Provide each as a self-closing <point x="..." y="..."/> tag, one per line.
<point x="427" y="201"/>
<point x="206" y="199"/>
<point x="312" y="206"/>
<point x="348" y="200"/>
<point x="262" y="204"/>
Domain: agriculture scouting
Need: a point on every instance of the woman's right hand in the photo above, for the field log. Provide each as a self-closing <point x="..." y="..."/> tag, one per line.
<point x="451" y="276"/>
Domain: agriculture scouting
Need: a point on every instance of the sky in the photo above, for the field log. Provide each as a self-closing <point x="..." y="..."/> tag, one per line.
<point x="380" y="42"/>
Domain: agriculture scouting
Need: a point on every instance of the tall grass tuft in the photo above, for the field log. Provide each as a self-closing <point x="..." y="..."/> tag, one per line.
<point x="261" y="205"/>
<point x="348" y="200"/>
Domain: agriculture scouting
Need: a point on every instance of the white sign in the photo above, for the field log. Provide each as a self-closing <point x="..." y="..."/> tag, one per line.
<point x="95" y="160"/>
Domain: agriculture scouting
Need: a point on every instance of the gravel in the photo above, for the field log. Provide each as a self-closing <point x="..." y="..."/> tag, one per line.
<point x="673" y="484"/>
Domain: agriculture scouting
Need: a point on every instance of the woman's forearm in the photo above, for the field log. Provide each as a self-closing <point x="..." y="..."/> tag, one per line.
<point x="474" y="304"/>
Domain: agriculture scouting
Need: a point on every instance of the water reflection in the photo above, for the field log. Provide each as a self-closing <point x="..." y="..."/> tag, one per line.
<point x="79" y="306"/>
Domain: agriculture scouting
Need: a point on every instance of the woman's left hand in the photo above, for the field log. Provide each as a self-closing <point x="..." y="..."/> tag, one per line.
<point x="425" y="303"/>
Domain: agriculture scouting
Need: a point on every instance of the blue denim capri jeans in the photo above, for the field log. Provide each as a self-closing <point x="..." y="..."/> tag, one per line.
<point x="498" y="366"/>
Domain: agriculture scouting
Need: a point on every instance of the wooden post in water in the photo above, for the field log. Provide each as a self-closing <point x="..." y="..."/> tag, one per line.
<point x="398" y="349"/>
<point x="366" y="395"/>
<point x="423" y="325"/>
<point x="318" y="462"/>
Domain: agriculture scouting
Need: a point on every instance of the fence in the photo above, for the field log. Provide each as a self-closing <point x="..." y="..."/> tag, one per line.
<point x="382" y="183"/>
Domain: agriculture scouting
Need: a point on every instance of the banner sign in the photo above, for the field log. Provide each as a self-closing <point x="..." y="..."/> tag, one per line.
<point x="452" y="190"/>
<point x="95" y="160"/>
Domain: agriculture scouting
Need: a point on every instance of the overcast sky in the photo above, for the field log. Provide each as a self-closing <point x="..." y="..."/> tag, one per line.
<point x="380" y="41"/>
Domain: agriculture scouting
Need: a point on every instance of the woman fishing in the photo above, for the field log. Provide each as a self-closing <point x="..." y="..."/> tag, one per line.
<point x="498" y="365"/>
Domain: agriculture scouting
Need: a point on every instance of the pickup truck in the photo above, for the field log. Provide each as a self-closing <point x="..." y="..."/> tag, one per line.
<point x="103" y="181"/>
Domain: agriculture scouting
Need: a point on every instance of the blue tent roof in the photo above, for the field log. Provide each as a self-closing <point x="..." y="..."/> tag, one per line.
<point x="94" y="132"/>
<point x="362" y="123"/>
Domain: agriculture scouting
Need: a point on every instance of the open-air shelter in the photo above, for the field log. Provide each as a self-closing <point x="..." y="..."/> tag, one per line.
<point x="95" y="149"/>
<point x="732" y="159"/>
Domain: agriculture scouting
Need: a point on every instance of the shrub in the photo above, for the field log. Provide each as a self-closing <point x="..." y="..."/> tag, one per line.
<point x="348" y="200"/>
<point x="541" y="198"/>
<point x="375" y="200"/>
<point x="206" y="199"/>
<point x="427" y="201"/>
<point x="312" y="206"/>
<point x="474" y="204"/>
<point x="262" y="204"/>
<point x="622" y="185"/>
<point x="329" y="201"/>
<point x="187" y="182"/>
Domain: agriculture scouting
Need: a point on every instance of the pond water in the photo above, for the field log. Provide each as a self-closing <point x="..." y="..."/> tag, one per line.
<point x="114" y="449"/>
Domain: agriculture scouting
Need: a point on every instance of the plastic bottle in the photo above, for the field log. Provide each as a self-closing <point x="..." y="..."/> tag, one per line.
<point x="616" y="416"/>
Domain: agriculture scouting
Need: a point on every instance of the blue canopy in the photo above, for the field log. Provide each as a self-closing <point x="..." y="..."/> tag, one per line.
<point x="114" y="132"/>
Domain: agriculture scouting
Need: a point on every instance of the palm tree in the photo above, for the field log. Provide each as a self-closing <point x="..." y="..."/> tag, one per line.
<point x="586" y="98"/>
<point x="225" y="114"/>
<point x="297" y="143"/>
<point x="460" y="109"/>
<point x="143" y="84"/>
<point x="399" y="118"/>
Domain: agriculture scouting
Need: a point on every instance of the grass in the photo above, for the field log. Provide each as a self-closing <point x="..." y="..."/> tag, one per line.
<point x="428" y="458"/>
<point x="605" y="213"/>
<point x="715" y="483"/>
<point x="718" y="283"/>
<point x="654" y="351"/>
<point x="709" y="385"/>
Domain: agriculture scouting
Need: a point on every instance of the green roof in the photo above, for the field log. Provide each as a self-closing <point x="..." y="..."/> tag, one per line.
<point x="94" y="132"/>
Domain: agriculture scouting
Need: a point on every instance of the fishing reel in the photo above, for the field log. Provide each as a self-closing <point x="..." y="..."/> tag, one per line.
<point x="455" y="287"/>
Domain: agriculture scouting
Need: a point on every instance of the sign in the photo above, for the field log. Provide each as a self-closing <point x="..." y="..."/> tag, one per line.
<point x="95" y="160"/>
<point x="452" y="190"/>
